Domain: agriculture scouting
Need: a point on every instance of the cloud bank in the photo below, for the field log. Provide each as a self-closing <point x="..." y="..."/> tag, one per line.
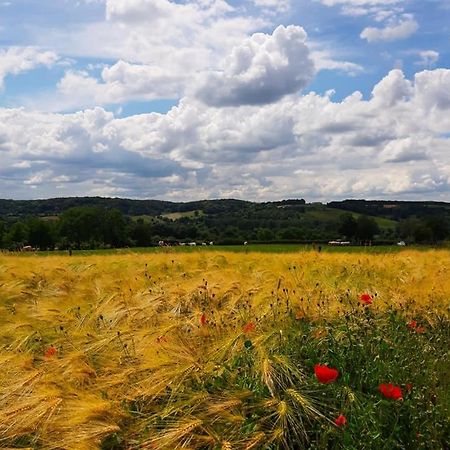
<point x="393" y="145"/>
<point x="247" y="122"/>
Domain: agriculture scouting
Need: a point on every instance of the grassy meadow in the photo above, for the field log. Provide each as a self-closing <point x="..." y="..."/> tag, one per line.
<point x="225" y="350"/>
<point x="250" y="248"/>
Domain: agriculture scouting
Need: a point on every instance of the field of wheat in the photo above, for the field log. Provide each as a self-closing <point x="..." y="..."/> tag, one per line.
<point x="225" y="351"/>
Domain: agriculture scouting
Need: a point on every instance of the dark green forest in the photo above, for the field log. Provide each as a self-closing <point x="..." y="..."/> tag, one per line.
<point x="96" y="222"/>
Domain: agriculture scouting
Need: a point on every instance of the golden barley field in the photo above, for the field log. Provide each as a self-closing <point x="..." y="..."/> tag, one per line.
<point x="212" y="350"/>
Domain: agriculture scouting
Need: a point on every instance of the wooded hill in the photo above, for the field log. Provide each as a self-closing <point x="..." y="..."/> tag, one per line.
<point x="89" y="222"/>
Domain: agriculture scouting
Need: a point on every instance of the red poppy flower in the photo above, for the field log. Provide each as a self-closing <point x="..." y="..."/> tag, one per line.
<point x="203" y="319"/>
<point x="340" y="421"/>
<point x="391" y="391"/>
<point x="324" y="374"/>
<point x="366" y="299"/>
<point x="412" y="325"/>
<point x="249" y="327"/>
<point x="409" y="387"/>
<point x="51" y="351"/>
<point x="420" y="330"/>
<point x="397" y="393"/>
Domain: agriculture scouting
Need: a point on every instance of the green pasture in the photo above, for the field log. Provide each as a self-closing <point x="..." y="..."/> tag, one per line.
<point x="251" y="248"/>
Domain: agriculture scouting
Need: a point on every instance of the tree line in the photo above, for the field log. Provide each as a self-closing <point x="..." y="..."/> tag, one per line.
<point x="90" y="227"/>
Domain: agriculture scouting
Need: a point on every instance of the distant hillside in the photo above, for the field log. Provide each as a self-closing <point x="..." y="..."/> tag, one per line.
<point x="56" y="206"/>
<point x="96" y="222"/>
<point x="395" y="210"/>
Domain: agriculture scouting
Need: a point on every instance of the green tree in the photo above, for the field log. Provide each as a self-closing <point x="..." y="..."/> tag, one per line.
<point x="423" y="234"/>
<point x="423" y="231"/>
<point x="81" y="225"/>
<point x="290" y="233"/>
<point x="114" y="228"/>
<point x="439" y="227"/>
<point x="40" y="233"/>
<point x="140" y="233"/>
<point x="2" y="233"/>
<point x="406" y="229"/>
<point x="367" y="228"/>
<point x="17" y="236"/>
<point x="348" y="226"/>
<point x="264" y="234"/>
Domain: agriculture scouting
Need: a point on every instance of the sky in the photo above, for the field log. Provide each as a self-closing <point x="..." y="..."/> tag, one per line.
<point x="253" y="99"/>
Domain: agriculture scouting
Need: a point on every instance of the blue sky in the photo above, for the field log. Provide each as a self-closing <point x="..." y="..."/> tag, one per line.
<point x="254" y="99"/>
<point x="31" y="23"/>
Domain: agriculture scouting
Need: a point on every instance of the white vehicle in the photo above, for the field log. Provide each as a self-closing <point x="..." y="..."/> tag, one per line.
<point x="338" y="242"/>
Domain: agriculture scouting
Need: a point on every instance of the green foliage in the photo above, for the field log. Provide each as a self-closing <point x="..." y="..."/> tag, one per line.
<point x="92" y="226"/>
<point x="17" y="236"/>
<point x="140" y="233"/>
<point x="41" y="234"/>
<point x="267" y="381"/>
<point x="264" y="234"/>
<point x="425" y="230"/>
<point x="348" y="226"/>
<point x="101" y="222"/>
<point x="2" y="232"/>
<point x="366" y="228"/>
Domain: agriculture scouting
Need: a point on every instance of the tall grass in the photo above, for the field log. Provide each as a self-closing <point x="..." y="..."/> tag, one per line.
<point x="212" y="350"/>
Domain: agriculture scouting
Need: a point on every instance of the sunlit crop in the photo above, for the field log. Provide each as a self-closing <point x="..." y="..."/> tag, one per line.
<point x="225" y="351"/>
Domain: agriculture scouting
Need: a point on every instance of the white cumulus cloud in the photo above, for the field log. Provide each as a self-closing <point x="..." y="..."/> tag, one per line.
<point x="15" y="60"/>
<point x="359" y="2"/>
<point x="157" y="47"/>
<point x="277" y="5"/>
<point x="261" y="70"/>
<point x="428" y="58"/>
<point x="393" y="144"/>
<point x="392" y="89"/>
<point x="400" y="28"/>
<point x="120" y="83"/>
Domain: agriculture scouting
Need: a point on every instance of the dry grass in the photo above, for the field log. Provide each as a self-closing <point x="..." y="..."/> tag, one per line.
<point x="127" y="333"/>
